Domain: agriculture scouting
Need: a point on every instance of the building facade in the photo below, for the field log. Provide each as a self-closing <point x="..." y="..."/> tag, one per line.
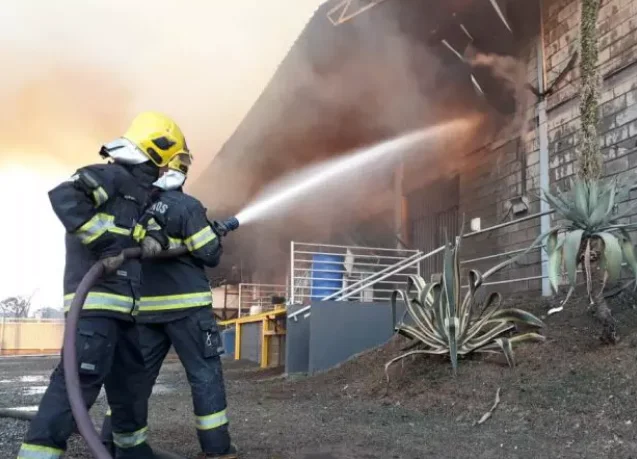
<point x="514" y="166"/>
<point x="495" y="179"/>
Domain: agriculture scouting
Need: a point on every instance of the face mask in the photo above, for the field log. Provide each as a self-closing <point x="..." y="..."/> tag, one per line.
<point x="171" y="180"/>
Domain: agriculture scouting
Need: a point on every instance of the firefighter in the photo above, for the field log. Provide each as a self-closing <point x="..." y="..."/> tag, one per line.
<point x="100" y="207"/>
<point x="176" y="306"/>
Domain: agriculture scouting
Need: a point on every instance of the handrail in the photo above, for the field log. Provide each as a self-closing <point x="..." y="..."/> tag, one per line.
<point x="369" y="261"/>
<point x="417" y="258"/>
<point x="370" y="278"/>
<point x="334" y="246"/>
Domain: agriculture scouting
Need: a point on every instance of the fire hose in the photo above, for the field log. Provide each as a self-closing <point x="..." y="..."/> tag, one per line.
<point x="69" y="356"/>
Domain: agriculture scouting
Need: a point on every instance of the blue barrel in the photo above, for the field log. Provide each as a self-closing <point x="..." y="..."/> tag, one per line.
<point x="228" y="340"/>
<point x="326" y="283"/>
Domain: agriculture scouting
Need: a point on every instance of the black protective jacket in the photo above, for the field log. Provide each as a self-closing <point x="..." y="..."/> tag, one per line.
<point x="174" y="288"/>
<point x="100" y="207"/>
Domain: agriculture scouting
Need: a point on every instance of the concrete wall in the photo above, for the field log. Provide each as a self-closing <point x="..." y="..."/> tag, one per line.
<point x="509" y="166"/>
<point x="251" y="341"/>
<point x="334" y="332"/>
<point x="339" y="331"/>
<point x="297" y="342"/>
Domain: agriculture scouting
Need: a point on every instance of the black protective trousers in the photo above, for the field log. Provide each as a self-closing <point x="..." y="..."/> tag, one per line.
<point x="109" y="354"/>
<point x="197" y="343"/>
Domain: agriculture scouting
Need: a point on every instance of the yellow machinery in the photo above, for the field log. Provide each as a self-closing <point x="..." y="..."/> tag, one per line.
<point x="271" y="332"/>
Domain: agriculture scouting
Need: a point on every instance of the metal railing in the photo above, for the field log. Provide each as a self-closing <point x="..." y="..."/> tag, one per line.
<point x="256" y="298"/>
<point x="337" y="272"/>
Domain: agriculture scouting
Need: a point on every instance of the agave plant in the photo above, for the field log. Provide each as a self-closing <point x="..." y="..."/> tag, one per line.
<point x="590" y="236"/>
<point x="447" y="323"/>
<point x="590" y="231"/>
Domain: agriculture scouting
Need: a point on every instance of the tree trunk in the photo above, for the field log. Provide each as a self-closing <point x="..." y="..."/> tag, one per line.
<point x="590" y="158"/>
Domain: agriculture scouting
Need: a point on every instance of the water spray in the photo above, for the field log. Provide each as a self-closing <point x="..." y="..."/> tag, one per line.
<point x="298" y="183"/>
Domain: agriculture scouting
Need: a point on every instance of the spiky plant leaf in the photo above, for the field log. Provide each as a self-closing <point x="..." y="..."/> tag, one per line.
<point x="628" y="251"/>
<point x="507" y="350"/>
<point x="444" y="322"/>
<point x="487" y="335"/>
<point x="415" y="284"/>
<point x="515" y="315"/>
<point x="517" y="339"/>
<point x="580" y="193"/>
<point x="612" y="254"/>
<point x="555" y="269"/>
<point x="593" y="196"/>
<point x="587" y="270"/>
<point x="572" y="243"/>
<point x="551" y="242"/>
<point x="570" y="213"/>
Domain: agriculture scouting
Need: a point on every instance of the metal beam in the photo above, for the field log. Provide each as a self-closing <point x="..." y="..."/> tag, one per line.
<point x="346" y="10"/>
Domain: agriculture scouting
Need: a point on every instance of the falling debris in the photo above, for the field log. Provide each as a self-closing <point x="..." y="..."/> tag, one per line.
<point x="488" y="414"/>
<point x="501" y="14"/>
<point x="476" y="85"/>
<point x="466" y="32"/>
<point x="453" y="50"/>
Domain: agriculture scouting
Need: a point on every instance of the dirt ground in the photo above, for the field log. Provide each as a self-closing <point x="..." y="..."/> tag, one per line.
<point x="570" y="397"/>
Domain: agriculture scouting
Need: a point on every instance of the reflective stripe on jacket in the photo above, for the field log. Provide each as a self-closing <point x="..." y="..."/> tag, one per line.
<point x="100" y="207"/>
<point x="180" y="284"/>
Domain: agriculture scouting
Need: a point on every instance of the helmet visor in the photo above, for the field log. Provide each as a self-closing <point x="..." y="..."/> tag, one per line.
<point x="181" y="163"/>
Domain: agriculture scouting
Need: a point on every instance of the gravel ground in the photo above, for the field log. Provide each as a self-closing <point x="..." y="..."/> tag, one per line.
<point x="568" y="398"/>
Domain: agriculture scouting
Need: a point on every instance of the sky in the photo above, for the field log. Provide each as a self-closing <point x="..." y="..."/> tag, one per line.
<point x="75" y="72"/>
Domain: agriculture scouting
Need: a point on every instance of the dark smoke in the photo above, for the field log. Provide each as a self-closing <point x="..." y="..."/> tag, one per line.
<point x="371" y="79"/>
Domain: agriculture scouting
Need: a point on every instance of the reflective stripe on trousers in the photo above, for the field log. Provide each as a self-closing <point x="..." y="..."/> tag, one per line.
<point x="130" y="440"/>
<point x="212" y="421"/>
<point x="171" y="302"/>
<point x="29" y="451"/>
<point x="103" y="302"/>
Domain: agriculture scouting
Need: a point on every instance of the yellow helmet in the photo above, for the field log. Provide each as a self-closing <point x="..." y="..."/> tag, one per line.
<point x="181" y="162"/>
<point x="157" y="136"/>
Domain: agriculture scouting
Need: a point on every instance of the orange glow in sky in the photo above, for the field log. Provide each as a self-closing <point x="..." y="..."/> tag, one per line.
<point x="76" y="71"/>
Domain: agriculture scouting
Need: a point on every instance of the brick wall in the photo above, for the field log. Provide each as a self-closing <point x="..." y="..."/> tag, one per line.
<point x="494" y="174"/>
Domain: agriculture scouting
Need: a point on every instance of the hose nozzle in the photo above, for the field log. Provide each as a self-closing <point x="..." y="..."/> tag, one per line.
<point x="221" y="228"/>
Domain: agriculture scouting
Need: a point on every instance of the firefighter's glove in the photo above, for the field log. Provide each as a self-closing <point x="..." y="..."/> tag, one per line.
<point x="111" y="264"/>
<point x="219" y="228"/>
<point x="151" y="247"/>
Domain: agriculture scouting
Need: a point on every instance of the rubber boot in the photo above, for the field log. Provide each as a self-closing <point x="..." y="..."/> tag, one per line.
<point x="232" y="453"/>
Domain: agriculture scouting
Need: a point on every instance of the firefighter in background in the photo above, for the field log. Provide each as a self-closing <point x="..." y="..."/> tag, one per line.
<point x="176" y="306"/>
<point x="100" y="206"/>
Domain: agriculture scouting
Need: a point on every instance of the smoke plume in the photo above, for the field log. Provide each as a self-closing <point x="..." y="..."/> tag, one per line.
<point x="339" y="89"/>
<point x="75" y="72"/>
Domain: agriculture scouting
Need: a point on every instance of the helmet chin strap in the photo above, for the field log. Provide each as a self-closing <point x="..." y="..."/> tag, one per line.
<point x="171" y="180"/>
